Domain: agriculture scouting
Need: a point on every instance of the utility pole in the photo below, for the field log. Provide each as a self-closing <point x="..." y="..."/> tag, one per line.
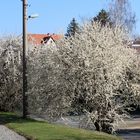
<point x="24" y="92"/>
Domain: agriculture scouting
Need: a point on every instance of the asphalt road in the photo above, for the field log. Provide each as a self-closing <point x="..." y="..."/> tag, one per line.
<point x="130" y="134"/>
<point x="131" y="129"/>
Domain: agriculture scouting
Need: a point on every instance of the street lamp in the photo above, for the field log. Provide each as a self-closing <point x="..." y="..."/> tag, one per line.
<point x="24" y="61"/>
<point x="33" y="16"/>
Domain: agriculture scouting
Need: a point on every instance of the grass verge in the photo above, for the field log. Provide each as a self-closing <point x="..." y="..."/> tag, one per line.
<point x="41" y="130"/>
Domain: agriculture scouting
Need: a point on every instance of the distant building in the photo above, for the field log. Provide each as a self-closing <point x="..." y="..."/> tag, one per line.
<point x="44" y="39"/>
<point x="136" y="45"/>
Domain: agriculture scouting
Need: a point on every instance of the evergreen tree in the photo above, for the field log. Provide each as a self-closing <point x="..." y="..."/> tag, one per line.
<point x="72" y="28"/>
<point x="103" y="18"/>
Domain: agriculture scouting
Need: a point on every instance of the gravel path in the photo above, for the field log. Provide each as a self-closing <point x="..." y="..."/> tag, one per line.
<point x="7" y="134"/>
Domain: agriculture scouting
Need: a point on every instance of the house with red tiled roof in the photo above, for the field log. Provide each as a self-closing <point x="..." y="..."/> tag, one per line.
<point x="44" y="39"/>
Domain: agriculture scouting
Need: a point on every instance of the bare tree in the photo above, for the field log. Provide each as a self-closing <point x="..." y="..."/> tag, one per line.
<point x="121" y="14"/>
<point x="87" y="74"/>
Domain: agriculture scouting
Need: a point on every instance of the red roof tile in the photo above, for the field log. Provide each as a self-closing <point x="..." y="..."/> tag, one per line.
<point x="37" y="39"/>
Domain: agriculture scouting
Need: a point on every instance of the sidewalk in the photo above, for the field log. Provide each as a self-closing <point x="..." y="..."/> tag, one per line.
<point x="7" y="134"/>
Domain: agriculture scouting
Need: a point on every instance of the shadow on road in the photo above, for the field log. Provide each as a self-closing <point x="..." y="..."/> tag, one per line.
<point x="129" y="134"/>
<point x="12" y="118"/>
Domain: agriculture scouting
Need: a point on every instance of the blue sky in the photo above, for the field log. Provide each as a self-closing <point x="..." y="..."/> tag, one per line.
<point x="54" y="15"/>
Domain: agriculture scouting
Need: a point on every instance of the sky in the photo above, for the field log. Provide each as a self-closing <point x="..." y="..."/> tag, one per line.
<point x="54" y="15"/>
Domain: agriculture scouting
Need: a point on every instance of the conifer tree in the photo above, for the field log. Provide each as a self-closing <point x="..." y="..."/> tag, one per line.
<point x="72" y="28"/>
<point x="103" y="18"/>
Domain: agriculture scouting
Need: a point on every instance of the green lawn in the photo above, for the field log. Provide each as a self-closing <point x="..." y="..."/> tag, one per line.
<point x="39" y="130"/>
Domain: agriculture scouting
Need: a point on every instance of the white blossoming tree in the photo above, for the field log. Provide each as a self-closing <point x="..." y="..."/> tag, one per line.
<point x="94" y="74"/>
<point x="10" y="73"/>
